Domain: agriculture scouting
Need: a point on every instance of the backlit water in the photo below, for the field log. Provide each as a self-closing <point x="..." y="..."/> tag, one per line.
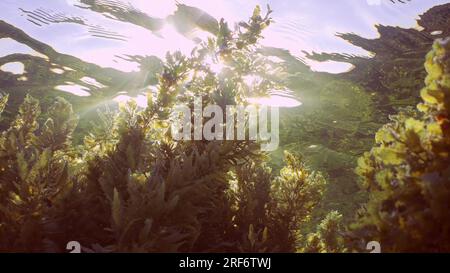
<point x="104" y="32"/>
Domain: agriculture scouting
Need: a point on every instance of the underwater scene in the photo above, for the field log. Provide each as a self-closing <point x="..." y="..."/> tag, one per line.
<point x="257" y="126"/>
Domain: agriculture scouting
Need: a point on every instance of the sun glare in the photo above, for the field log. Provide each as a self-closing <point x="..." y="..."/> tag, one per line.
<point x="275" y="101"/>
<point x="252" y="80"/>
<point x="331" y="67"/>
<point x="75" y="89"/>
<point x="141" y="100"/>
<point x="16" y="68"/>
<point x="216" y="66"/>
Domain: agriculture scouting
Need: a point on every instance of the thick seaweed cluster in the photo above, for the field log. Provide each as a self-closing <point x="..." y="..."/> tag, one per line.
<point x="408" y="171"/>
<point x="131" y="188"/>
